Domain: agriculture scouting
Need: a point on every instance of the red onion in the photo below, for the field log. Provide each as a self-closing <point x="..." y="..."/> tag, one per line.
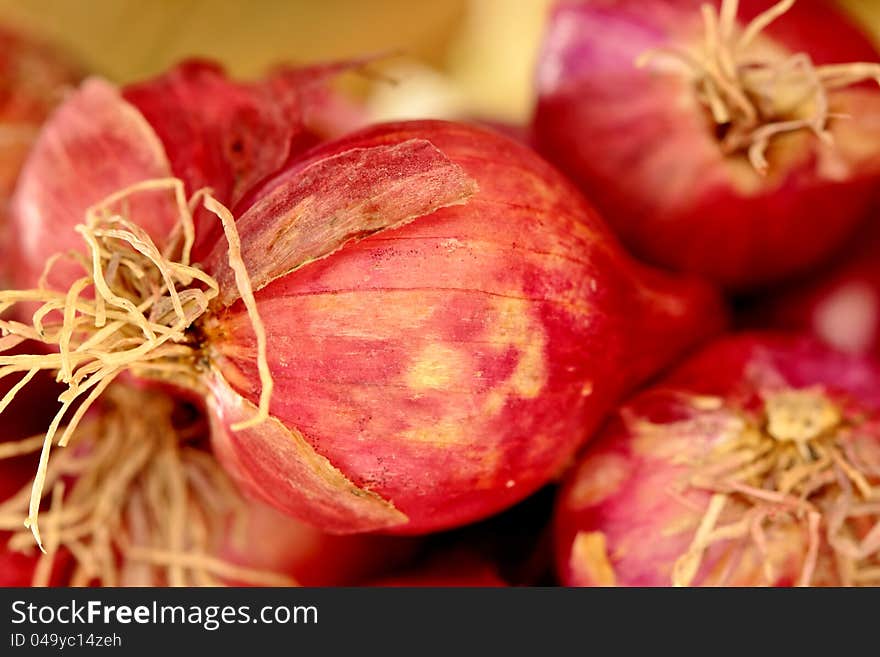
<point x="448" y="368"/>
<point x="33" y="77"/>
<point x="839" y="304"/>
<point x="698" y="158"/>
<point x="756" y="462"/>
<point x="462" y="320"/>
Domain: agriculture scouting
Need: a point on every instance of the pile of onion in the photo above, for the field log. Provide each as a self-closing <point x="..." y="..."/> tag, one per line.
<point x="731" y="139"/>
<point x="406" y="329"/>
<point x="756" y="462"/>
<point x="33" y="79"/>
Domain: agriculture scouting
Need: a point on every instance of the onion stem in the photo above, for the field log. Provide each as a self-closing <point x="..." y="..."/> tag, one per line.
<point x="748" y="92"/>
<point x="145" y="300"/>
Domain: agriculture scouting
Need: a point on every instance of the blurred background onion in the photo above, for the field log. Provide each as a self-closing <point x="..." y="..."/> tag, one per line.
<point x="463" y="58"/>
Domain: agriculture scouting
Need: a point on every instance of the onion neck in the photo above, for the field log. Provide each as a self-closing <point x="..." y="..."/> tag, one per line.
<point x="132" y="310"/>
<point x="752" y="96"/>
<point x="804" y="461"/>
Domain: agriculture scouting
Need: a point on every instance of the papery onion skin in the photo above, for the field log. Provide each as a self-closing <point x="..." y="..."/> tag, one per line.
<point x="839" y="304"/>
<point x="33" y="80"/>
<point x="228" y="136"/>
<point x="446" y="369"/>
<point x="618" y="520"/>
<point x="193" y="123"/>
<point x="644" y="149"/>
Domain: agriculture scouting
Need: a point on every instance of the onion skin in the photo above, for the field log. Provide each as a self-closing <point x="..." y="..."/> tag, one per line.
<point x="16" y="568"/>
<point x="33" y="79"/>
<point x="446" y="369"/>
<point x="643" y="148"/>
<point x="193" y="123"/>
<point x="617" y="523"/>
<point x="94" y="145"/>
<point x="229" y="136"/>
<point x="840" y="304"/>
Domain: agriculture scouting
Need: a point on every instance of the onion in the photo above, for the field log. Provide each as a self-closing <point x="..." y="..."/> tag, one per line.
<point x="33" y="77"/>
<point x="839" y="304"/>
<point x="757" y="462"/>
<point x="462" y="318"/>
<point x="699" y="159"/>
<point x="448" y="368"/>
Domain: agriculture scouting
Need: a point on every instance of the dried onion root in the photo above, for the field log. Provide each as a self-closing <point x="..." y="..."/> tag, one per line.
<point x="132" y="311"/>
<point x="754" y="97"/>
<point x="805" y="464"/>
<point x="145" y="507"/>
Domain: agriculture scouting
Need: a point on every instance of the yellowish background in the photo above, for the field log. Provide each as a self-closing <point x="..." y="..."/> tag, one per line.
<point x="482" y="50"/>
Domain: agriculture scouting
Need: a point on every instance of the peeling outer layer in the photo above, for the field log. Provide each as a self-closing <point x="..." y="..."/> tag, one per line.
<point x="228" y="135"/>
<point x="192" y="123"/>
<point x="451" y="363"/>
<point x="336" y="199"/>
<point x="218" y="133"/>
<point x="94" y="145"/>
<point x="757" y="462"/>
<point x="310" y="485"/>
<point x="662" y="162"/>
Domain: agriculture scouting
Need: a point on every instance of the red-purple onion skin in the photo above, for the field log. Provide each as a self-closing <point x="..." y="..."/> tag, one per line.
<point x="618" y="499"/>
<point x="228" y="136"/>
<point x="94" y="145"/>
<point x="192" y="122"/>
<point x="33" y="80"/>
<point x="217" y="133"/>
<point x="451" y="366"/>
<point x="643" y="148"/>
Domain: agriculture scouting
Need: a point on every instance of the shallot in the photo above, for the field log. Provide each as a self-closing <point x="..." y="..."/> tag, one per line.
<point x="756" y="462"/>
<point x="731" y="139"/>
